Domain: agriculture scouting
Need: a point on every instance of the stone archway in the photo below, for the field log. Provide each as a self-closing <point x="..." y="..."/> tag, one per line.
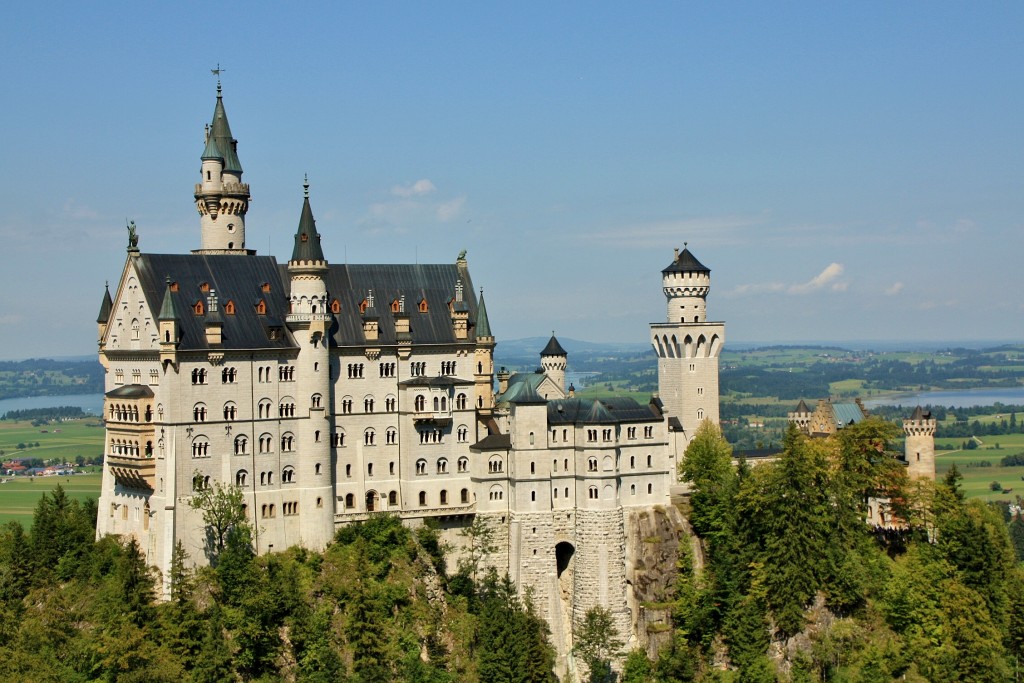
<point x="371" y="501"/>
<point x="565" y="564"/>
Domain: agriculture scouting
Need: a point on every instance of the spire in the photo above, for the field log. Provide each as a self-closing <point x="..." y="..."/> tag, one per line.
<point x="307" y="240"/>
<point x="553" y="348"/>
<point x="220" y="134"/>
<point x="167" y="311"/>
<point x="211" y="151"/>
<point x="685" y="262"/>
<point x="483" y="325"/>
<point x="105" y="307"/>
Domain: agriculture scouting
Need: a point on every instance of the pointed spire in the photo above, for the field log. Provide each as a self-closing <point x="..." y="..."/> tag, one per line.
<point x="553" y="348"/>
<point x="167" y="311"/>
<point x="106" y="306"/>
<point x="685" y="262"/>
<point x="220" y="134"/>
<point x="307" y="240"/>
<point x="483" y="325"/>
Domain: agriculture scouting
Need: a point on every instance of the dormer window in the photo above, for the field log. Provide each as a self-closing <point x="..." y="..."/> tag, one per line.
<point x="174" y="286"/>
<point x="204" y="287"/>
<point x="363" y="305"/>
<point x="198" y="308"/>
<point x="229" y="307"/>
<point x="303" y="237"/>
<point x="261" y="307"/>
<point x="265" y="286"/>
<point x="396" y="306"/>
<point x="423" y="305"/>
<point x="335" y="306"/>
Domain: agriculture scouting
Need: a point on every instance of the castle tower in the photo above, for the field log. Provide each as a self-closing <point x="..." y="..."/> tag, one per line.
<point x="168" y="329"/>
<point x="483" y="377"/>
<point x="920" y="444"/>
<point x="688" y="345"/>
<point x="554" y="360"/>
<point x="801" y="417"/>
<point x="221" y="197"/>
<point x="104" y="317"/>
<point x="309" y="319"/>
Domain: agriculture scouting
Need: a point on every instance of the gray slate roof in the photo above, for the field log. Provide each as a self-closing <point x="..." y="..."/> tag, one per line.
<point x="686" y="263"/>
<point x="105" y="307"/>
<point x="130" y="391"/>
<point x="220" y="133"/>
<point x="553" y="348"/>
<point x="616" y="410"/>
<point x="483" y="325"/>
<point x="307" y="239"/>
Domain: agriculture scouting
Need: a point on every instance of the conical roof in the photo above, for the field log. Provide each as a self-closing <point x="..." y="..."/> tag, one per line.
<point x="307" y="240"/>
<point x="685" y="262"/>
<point x="167" y="310"/>
<point x="802" y="407"/>
<point x="105" y="307"/>
<point x="220" y="133"/>
<point x="553" y="348"/>
<point x="483" y="325"/>
<point x="212" y="151"/>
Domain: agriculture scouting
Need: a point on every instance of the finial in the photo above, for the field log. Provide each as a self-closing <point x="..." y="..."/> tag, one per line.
<point x="216" y="72"/>
<point x="305" y="185"/>
<point x="685" y="244"/>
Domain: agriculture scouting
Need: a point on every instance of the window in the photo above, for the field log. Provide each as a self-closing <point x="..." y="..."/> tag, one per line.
<point x="391" y="467"/>
<point x="420" y="403"/>
<point x="460" y="402"/>
<point x="288" y="475"/>
<point x="632" y="462"/>
<point x="290" y="508"/>
<point x="230" y="411"/>
<point x="369" y="437"/>
<point x="391" y="436"/>
<point x="496" y="493"/>
<point x="227" y="375"/>
<point x="200" y="447"/>
<point x="393" y="498"/>
<point x="632" y="489"/>
<point x="418" y="368"/>
<point x="199" y="376"/>
<point x="199" y="413"/>
<point x="346" y="405"/>
<point x="266" y="443"/>
<point x="649" y="461"/>
<point x="448" y="367"/>
<point x="648" y="432"/>
<point x="533" y="468"/>
<point x="463" y="433"/>
<point x="335" y="307"/>
<point x="369" y="469"/>
<point x="423" y="498"/>
<point x="318" y="469"/>
<point x="531" y="438"/>
<point x="241" y="445"/>
<point x="495" y="464"/>
<point x="592" y="492"/>
<point x="606" y="434"/>
<point x="355" y="370"/>
<point x="592" y="464"/>
<point x="287" y="408"/>
<point x="700" y="413"/>
<point x="287" y="442"/>
<point x="631" y="433"/>
<point x="442" y="465"/>
<point x="348" y="471"/>
<point x="368" y="404"/>
<point x="591" y="435"/>
<point x="338" y="439"/>
<point x="389" y="403"/>
<point x="533" y="496"/>
<point x="650" y="488"/>
<point x="444" y="497"/>
<point x="464" y="496"/>
<point x="387" y="369"/>
<point x="421" y="466"/>
<point x="264" y="408"/>
<point x="463" y="464"/>
<point x="350" y="501"/>
<point x="315" y="400"/>
<point x="286" y="373"/>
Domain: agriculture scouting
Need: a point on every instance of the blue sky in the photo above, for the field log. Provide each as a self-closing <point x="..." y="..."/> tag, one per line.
<point x="848" y="171"/>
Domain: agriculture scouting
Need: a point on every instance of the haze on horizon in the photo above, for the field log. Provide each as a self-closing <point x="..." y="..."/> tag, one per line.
<point x="848" y="172"/>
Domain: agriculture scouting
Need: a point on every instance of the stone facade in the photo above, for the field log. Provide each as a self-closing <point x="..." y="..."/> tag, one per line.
<point x="327" y="393"/>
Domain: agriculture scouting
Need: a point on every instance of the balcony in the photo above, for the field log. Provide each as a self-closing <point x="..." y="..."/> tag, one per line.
<point x="133" y="472"/>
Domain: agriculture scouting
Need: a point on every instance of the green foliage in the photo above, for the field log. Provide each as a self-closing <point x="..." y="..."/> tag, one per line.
<point x="223" y="509"/>
<point x="597" y="643"/>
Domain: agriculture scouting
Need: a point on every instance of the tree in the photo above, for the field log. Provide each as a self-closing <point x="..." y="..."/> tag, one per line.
<point x="597" y="643"/>
<point x="223" y="508"/>
<point x="480" y="537"/>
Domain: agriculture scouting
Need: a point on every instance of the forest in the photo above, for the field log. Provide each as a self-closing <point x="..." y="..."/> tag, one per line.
<point x="44" y="377"/>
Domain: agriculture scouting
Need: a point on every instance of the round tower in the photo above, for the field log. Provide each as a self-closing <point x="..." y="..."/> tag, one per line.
<point x="222" y="199"/>
<point x="554" y="360"/>
<point x="309" y="319"/>
<point x="688" y="346"/>
<point x="919" y="449"/>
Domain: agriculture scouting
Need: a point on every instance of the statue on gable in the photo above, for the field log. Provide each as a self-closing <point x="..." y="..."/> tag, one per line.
<point x="133" y="236"/>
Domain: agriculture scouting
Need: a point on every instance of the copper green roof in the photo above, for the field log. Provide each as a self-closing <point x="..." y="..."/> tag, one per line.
<point x="553" y="348"/>
<point x="307" y="240"/>
<point x="483" y="325"/>
<point x="685" y="262"/>
<point x="211" y="151"/>
<point x="105" y="307"/>
<point x="847" y="413"/>
<point x="220" y="133"/>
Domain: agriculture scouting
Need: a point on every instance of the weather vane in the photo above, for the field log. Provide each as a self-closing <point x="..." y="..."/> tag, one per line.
<point x="217" y="72"/>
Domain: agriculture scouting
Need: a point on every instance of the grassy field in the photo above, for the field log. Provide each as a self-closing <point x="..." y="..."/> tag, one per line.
<point x="977" y="480"/>
<point x="18" y="497"/>
<point x="57" y="441"/>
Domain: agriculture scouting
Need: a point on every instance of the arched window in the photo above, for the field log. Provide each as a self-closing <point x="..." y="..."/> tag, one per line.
<point x="495" y="464"/>
<point x="444" y="497"/>
<point x="592" y="491"/>
<point x="338" y="439"/>
<point x="241" y="476"/>
<point x="369" y="437"/>
<point x="317" y="469"/>
<point x="421" y="466"/>
<point x="266" y="443"/>
<point x="241" y="445"/>
<point x="464" y="496"/>
<point x="460" y="402"/>
<point x="393" y="499"/>
<point x="420" y="403"/>
<point x="423" y="498"/>
<point x="288" y="475"/>
<point x="230" y="411"/>
<point x="592" y="464"/>
<point x="316" y="400"/>
<point x="368" y="404"/>
<point x="199" y="413"/>
<point x="287" y="442"/>
<point x="436" y="404"/>
<point x="263" y="409"/>
<point x="649" y="461"/>
<point x="463" y="464"/>
<point x="350" y="501"/>
<point x="442" y="465"/>
<point x="496" y="493"/>
<point x="391" y="436"/>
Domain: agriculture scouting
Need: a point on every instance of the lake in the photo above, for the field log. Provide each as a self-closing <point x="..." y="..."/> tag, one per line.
<point x="954" y="399"/>
<point x="90" y="403"/>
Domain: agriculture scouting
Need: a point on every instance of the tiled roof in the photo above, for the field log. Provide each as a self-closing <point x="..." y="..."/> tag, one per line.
<point x="600" y="411"/>
<point x="686" y="263"/>
<point x="553" y="348"/>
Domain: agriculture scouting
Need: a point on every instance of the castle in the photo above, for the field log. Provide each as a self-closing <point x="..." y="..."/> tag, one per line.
<point x="327" y="393"/>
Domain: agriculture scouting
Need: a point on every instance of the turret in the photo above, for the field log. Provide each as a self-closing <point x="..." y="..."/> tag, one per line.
<point x="169" y="328"/>
<point x="222" y="199"/>
<point x="920" y="444"/>
<point x="554" y="360"/>
<point x="686" y="283"/>
<point x="106" y="306"/>
<point x="483" y="378"/>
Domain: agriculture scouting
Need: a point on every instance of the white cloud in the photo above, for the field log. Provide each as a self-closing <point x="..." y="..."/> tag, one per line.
<point x="416" y="189"/>
<point x="822" y="279"/>
<point x="450" y="209"/>
<point x="895" y="289"/>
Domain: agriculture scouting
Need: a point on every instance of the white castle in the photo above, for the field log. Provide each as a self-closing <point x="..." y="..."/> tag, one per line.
<point x="328" y="393"/>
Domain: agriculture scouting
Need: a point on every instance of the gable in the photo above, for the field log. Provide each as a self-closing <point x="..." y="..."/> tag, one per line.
<point x="132" y="325"/>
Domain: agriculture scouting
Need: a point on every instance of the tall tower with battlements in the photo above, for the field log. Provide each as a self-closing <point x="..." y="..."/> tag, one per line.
<point x="221" y="197"/>
<point x="688" y="346"/>
<point x="920" y="444"/>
